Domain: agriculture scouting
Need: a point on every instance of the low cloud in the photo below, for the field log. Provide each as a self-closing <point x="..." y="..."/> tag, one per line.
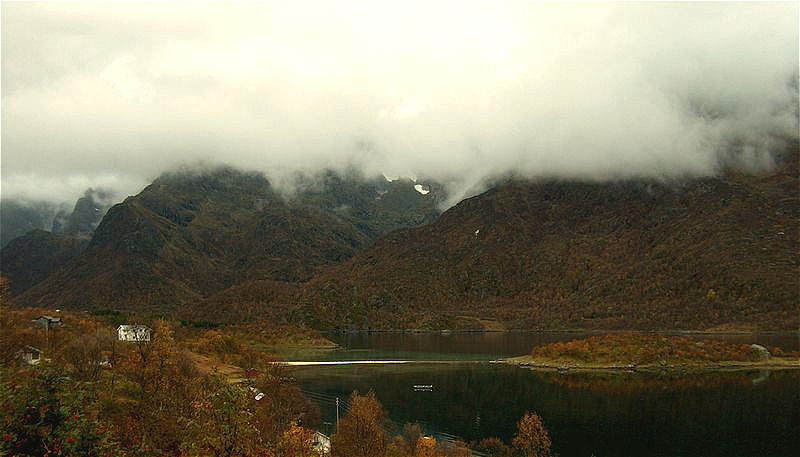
<point x="111" y="95"/>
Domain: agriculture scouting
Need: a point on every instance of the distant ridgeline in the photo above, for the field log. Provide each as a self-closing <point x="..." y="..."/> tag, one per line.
<point x="18" y="217"/>
<point x="707" y="253"/>
<point x="189" y="236"/>
<point x="348" y="252"/>
<point x="38" y="237"/>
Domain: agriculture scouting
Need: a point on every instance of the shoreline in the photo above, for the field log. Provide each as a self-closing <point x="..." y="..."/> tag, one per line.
<point x="794" y="333"/>
<point x="527" y="361"/>
<point x="300" y="363"/>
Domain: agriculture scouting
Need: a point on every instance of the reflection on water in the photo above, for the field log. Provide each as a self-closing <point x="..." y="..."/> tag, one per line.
<point x="489" y="345"/>
<point x="692" y="414"/>
<point x="437" y="346"/>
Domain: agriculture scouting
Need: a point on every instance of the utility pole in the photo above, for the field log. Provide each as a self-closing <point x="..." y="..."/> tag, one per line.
<point x="337" y="414"/>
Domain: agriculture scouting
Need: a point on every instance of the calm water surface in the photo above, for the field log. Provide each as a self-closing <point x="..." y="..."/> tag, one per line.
<point x="717" y="414"/>
<point x="750" y="413"/>
<point x="483" y="346"/>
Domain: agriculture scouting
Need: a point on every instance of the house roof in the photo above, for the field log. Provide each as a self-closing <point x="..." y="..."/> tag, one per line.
<point x="49" y="318"/>
<point x="133" y="327"/>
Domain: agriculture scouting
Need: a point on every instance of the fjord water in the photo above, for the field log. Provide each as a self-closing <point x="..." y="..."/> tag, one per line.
<point x="489" y="345"/>
<point x="742" y="413"/>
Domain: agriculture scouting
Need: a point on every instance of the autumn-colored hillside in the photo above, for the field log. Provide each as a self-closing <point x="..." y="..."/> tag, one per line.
<point x="718" y="252"/>
<point x="627" y="348"/>
<point x="31" y="258"/>
<point x="73" y="388"/>
<point x="29" y="252"/>
<point x="714" y="253"/>
<point x="191" y="234"/>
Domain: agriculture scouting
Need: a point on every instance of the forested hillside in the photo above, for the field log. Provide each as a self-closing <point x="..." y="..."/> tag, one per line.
<point x="191" y="234"/>
<point x="717" y="252"/>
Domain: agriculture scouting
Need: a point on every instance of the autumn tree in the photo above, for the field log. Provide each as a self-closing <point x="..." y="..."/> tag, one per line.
<point x="361" y="432"/>
<point x="45" y="412"/>
<point x="87" y="353"/>
<point x="10" y="343"/>
<point x="222" y="422"/>
<point x="297" y="442"/>
<point x="283" y="403"/>
<point x="399" y="447"/>
<point x="456" y="448"/>
<point x="402" y="445"/>
<point x="412" y="432"/>
<point x="494" y="447"/>
<point x="252" y="362"/>
<point x="532" y="437"/>
<point x="426" y="447"/>
<point x="163" y="388"/>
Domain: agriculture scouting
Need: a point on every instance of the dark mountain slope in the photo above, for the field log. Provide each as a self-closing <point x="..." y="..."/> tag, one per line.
<point x="86" y="214"/>
<point x="706" y="253"/>
<point x="259" y="299"/>
<point x="18" y="218"/>
<point x="190" y="235"/>
<point x="30" y="258"/>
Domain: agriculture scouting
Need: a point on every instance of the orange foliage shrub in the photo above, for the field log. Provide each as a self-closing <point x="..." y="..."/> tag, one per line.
<point x="532" y="437"/>
<point x="645" y="349"/>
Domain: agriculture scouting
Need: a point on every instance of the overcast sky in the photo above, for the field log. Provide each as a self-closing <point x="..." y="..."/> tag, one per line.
<point x="111" y="95"/>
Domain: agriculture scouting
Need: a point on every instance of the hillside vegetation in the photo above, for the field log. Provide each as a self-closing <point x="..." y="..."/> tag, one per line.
<point x="630" y="348"/>
<point x="186" y="391"/>
<point x="707" y="253"/>
<point x="31" y="258"/>
<point x="346" y="252"/>
<point x="190" y="235"/>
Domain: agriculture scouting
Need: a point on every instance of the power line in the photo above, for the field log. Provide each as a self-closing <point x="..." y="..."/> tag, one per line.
<point x="332" y="400"/>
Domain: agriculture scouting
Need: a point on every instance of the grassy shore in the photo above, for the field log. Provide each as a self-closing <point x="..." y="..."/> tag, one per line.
<point x="634" y="352"/>
<point x="775" y="363"/>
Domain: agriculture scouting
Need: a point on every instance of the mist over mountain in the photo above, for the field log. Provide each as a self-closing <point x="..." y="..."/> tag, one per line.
<point x="245" y="213"/>
<point x="702" y="254"/>
<point x="42" y="237"/>
<point x="19" y="217"/>
<point x="191" y="234"/>
<point x="595" y="92"/>
<point x="86" y="214"/>
<point x="598" y="162"/>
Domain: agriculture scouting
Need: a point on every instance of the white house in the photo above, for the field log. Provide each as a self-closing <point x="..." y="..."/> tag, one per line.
<point x="134" y="333"/>
<point x="30" y="355"/>
<point x="321" y="444"/>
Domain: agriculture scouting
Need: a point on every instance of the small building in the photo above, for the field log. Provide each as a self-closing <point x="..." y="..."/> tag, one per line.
<point x="321" y="443"/>
<point x="103" y="362"/>
<point x="258" y="395"/>
<point x="48" y="322"/>
<point x="135" y="333"/>
<point x="30" y="355"/>
<point x="761" y="352"/>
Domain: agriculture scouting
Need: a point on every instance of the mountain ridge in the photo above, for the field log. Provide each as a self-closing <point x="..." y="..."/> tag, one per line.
<point x="347" y="253"/>
<point x="189" y="235"/>
<point x="710" y="252"/>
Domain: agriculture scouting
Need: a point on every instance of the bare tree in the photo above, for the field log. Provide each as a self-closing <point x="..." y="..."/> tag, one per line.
<point x="88" y="354"/>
